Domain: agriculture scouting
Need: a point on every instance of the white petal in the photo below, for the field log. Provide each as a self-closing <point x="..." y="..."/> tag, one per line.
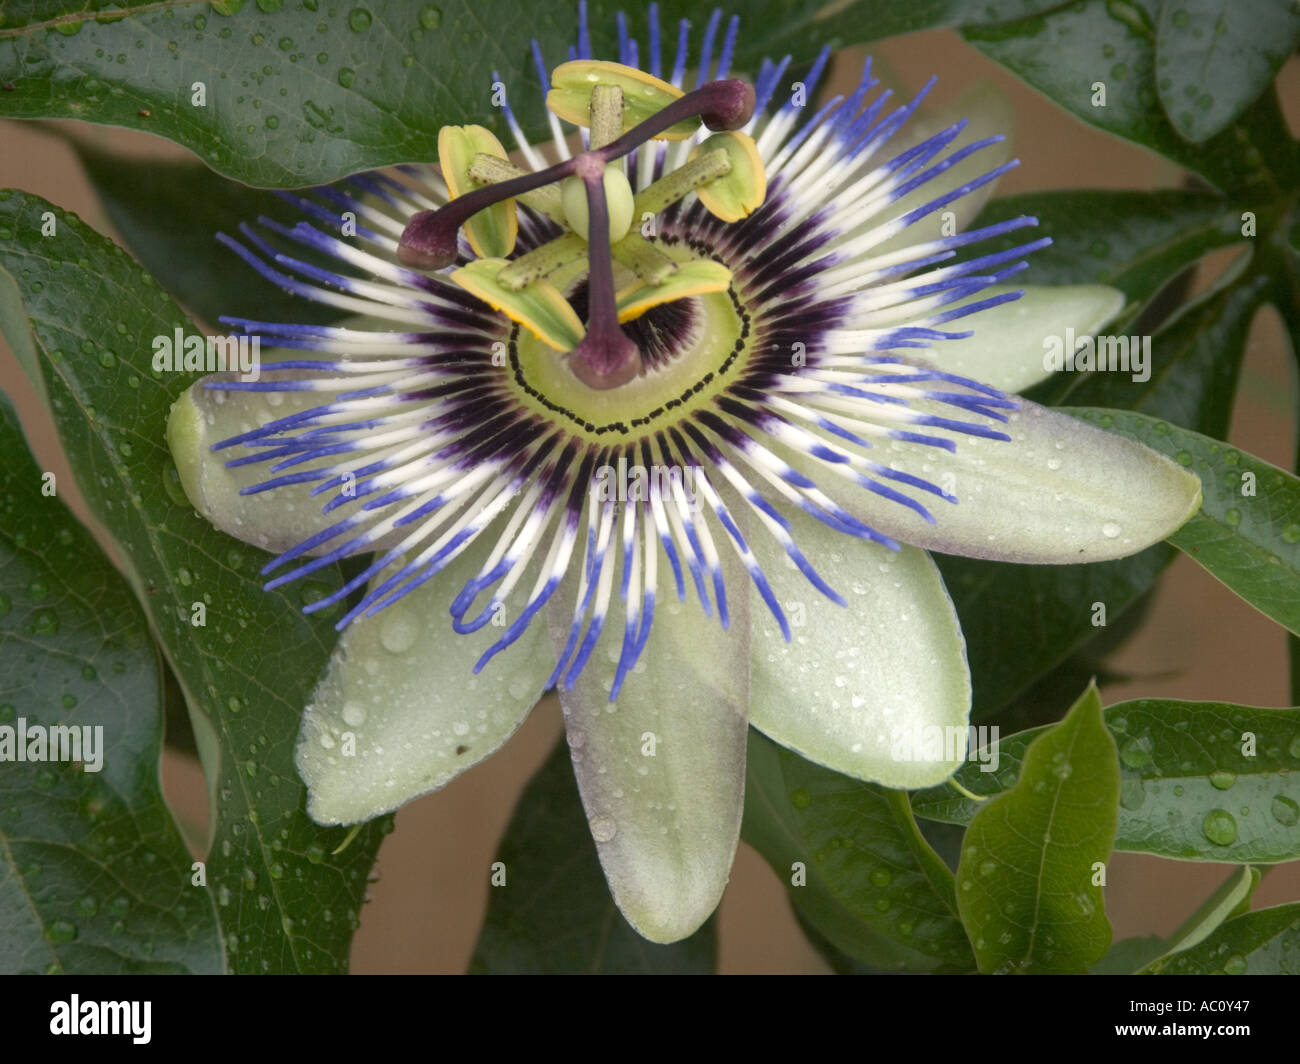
<point x="878" y="689"/>
<point x="273" y="520"/>
<point x="402" y="685"/>
<point x="1060" y="491"/>
<point x="662" y="770"/>
<point x="1011" y="340"/>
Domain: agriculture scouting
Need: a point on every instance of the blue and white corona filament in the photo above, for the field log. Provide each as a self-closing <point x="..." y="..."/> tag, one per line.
<point x="749" y="304"/>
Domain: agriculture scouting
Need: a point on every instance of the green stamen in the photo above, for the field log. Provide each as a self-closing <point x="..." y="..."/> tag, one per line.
<point x="543" y="260"/>
<point x="644" y="259"/>
<point x="489" y="170"/>
<point x="606" y="115"/>
<point x="682" y="181"/>
<point x="623" y="109"/>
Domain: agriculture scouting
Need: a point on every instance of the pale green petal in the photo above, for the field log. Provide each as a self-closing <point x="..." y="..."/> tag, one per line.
<point x="400" y="694"/>
<point x="878" y="689"/>
<point x="1011" y="340"/>
<point x="988" y="113"/>
<point x="662" y="770"/>
<point x="273" y="520"/>
<point x="1060" y="491"/>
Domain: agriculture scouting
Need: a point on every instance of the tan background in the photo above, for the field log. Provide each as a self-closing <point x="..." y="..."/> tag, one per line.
<point x="1199" y="641"/>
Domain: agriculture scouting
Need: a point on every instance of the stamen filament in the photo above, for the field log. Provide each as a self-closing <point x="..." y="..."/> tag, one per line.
<point x="542" y="260"/>
<point x="673" y="186"/>
<point x="429" y="240"/>
<point x="644" y="259"/>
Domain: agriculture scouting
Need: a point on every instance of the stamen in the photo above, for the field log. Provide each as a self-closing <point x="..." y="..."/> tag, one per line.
<point x="542" y="260"/>
<point x="644" y="259"/>
<point x="429" y="241"/>
<point x="606" y="115"/>
<point x="685" y="179"/>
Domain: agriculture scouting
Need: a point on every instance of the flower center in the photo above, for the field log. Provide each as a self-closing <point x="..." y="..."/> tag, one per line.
<point x="627" y="274"/>
<point x="692" y="349"/>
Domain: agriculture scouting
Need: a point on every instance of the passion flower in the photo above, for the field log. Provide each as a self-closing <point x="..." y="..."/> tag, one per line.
<point x="703" y="352"/>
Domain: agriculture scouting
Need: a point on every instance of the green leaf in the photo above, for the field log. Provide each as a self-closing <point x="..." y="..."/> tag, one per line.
<point x="1128" y="955"/>
<point x="169" y="213"/>
<point x="1027" y="877"/>
<point x="1201" y="781"/>
<point x="307" y="92"/>
<point x="1134" y="241"/>
<point x="856" y="866"/>
<point x="1247" y="532"/>
<point x="1021" y="621"/>
<point x="1232" y="896"/>
<point x="554" y="912"/>
<point x="1195" y="360"/>
<point x="94" y="875"/>
<point x="1263" y="942"/>
<point x="1071" y="52"/>
<point x="1215" y="57"/>
<point x="85" y="314"/>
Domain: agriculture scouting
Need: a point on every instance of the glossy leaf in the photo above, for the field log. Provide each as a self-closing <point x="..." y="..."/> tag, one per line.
<point x="1214" y="58"/>
<point x="855" y="865"/>
<point x="1134" y="241"/>
<point x="1247" y="533"/>
<point x="82" y="317"/>
<point x="1263" y="942"/>
<point x="168" y="215"/>
<point x="1201" y="781"/>
<point x="1194" y="364"/>
<point x="94" y="875"/>
<point x="1028" y="891"/>
<point x="302" y="93"/>
<point x="553" y="912"/>
<point x="1078" y="52"/>
<point x="1232" y="896"/>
